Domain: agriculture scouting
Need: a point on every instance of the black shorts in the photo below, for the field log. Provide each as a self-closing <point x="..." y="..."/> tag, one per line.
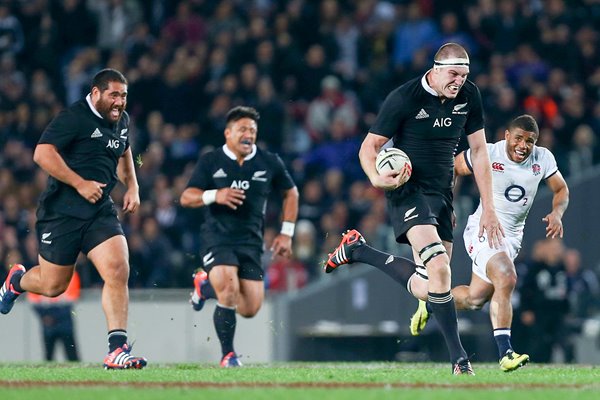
<point x="62" y="237"/>
<point x="412" y="207"/>
<point x="247" y="259"/>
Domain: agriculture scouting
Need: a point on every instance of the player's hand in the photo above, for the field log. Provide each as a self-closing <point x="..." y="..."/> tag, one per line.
<point x="131" y="201"/>
<point x="490" y="225"/>
<point x="232" y="198"/>
<point x="282" y="246"/>
<point x="555" y="226"/>
<point x="91" y="190"/>
<point x="388" y="180"/>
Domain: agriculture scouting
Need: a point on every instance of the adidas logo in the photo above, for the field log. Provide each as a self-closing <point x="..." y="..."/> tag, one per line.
<point x="96" y="134"/>
<point x="220" y="174"/>
<point x="422" y="114"/>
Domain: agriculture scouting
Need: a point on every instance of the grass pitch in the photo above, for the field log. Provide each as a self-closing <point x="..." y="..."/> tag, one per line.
<point x="347" y="381"/>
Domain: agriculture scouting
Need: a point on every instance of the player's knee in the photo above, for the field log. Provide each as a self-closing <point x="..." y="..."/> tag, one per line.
<point x="505" y="278"/>
<point x="54" y="289"/>
<point x="434" y="255"/>
<point x="475" y="304"/>
<point x="418" y="285"/>
<point x="250" y="311"/>
<point x="116" y="275"/>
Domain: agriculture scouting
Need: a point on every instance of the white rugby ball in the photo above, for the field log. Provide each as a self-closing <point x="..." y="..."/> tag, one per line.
<point x="394" y="159"/>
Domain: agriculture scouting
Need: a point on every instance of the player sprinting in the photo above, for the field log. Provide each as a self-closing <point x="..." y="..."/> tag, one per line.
<point x="234" y="182"/>
<point x="425" y="117"/>
<point x="518" y="166"/>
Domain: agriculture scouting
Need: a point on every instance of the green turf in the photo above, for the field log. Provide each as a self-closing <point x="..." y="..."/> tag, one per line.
<point x="346" y="381"/>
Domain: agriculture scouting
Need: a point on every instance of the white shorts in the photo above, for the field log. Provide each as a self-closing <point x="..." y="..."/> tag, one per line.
<point x="480" y="252"/>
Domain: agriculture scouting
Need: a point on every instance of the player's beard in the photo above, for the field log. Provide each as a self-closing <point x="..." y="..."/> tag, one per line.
<point x="105" y="110"/>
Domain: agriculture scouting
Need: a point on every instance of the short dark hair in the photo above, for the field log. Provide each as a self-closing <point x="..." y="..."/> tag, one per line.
<point x="105" y="76"/>
<point x="450" y="50"/>
<point x="525" y="122"/>
<point x="239" y="112"/>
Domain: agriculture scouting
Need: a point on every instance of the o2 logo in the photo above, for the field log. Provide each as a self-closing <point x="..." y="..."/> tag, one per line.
<point x="515" y="193"/>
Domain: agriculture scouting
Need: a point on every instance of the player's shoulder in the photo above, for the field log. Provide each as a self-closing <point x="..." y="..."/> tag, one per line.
<point x="541" y="151"/>
<point x="212" y="155"/>
<point x="75" y="110"/>
<point x="496" y="149"/>
<point x="470" y="85"/>
<point x="541" y="154"/>
<point x="270" y="158"/>
<point x="124" y="119"/>
<point x="410" y="88"/>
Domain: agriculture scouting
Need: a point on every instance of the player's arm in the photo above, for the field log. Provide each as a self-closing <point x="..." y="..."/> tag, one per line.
<point x="483" y="177"/>
<point x="282" y="244"/>
<point x="560" y="202"/>
<point x="193" y="197"/>
<point x="368" y="153"/>
<point x="46" y="155"/>
<point x="461" y="166"/>
<point x="127" y="176"/>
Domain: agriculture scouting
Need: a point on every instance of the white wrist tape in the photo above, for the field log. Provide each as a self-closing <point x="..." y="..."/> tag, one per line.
<point x="287" y="228"/>
<point x="209" y="196"/>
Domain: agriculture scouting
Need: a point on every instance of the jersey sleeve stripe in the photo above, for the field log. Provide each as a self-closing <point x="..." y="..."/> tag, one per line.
<point x="467" y="155"/>
<point x="550" y="175"/>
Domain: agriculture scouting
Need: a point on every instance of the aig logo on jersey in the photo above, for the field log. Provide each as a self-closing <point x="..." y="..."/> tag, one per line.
<point x="442" y="122"/>
<point x="239" y="184"/>
<point x="113" y="144"/>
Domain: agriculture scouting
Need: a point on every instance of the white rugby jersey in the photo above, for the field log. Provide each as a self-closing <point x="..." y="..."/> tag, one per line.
<point x="514" y="184"/>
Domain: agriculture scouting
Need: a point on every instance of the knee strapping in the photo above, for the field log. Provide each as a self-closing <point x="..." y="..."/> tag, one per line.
<point x="431" y="251"/>
<point x="421" y="272"/>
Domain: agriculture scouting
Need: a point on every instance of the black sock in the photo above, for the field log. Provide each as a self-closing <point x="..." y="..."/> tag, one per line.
<point x="399" y="269"/>
<point x="116" y="338"/>
<point x="225" y="321"/>
<point x="15" y="281"/>
<point x="444" y="311"/>
<point x="208" y="292"/>
<point x="502" y="337"/>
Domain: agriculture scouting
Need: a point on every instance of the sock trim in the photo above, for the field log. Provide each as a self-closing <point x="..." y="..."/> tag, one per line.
<point x="226" y="307"/>
<point x="439" y="298"/>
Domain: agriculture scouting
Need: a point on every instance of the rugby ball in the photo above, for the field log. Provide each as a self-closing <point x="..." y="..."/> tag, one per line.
<point x="394" y="159"/>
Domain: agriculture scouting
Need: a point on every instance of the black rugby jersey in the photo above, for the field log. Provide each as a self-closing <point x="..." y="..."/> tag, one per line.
<point x="260" y="173"/>
<point x="428" y="130"/>
<point x="90" y="146"/>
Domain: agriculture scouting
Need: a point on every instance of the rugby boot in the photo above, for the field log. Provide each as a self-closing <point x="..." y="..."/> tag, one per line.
<point x="231" y="360"/>
<point x="419" y="319"/>
<point x="8" y="294"/>
<point x="197" y="300"/>
<point x="121" y="358"/>
<point x="512" y="361"/>
<point x="351" y="239"/>
<point x="462" y="366"/>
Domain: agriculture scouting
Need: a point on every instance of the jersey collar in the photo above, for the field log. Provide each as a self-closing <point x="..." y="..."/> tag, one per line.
<point x="232" y="155"/>
<point x="426" y="86"/>
<point x="88" y="98"/>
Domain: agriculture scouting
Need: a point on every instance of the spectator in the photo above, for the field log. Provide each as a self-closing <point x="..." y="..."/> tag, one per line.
<point x="56" y="319"/>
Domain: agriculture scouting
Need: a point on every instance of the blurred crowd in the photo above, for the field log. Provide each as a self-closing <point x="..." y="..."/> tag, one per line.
<point x="317" y="71"/>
